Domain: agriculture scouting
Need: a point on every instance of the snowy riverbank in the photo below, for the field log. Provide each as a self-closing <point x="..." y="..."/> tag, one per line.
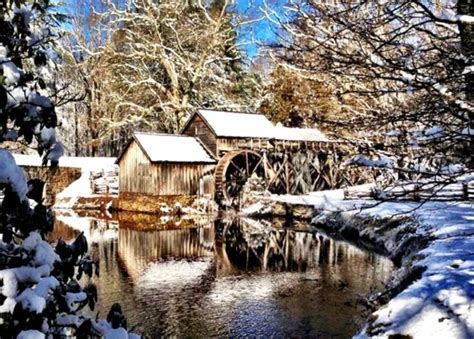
<point x="433" y="243"/>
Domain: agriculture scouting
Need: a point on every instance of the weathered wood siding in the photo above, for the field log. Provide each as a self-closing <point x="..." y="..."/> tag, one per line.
<point x="138" y="175"/>
<point x="225" y="145"/>
<point x="198" y="128"/>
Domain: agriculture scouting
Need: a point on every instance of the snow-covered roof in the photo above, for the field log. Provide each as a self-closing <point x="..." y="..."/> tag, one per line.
<point x="299" y="134"/>
<point x="172" y="148"/>
<point x="238" y="125"/>
<point x="253" y="125"/>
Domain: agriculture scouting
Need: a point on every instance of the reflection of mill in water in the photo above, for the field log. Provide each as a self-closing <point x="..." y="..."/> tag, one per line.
<point x="230" y="277"/>
<point x="256" y="245"/>
<point x="138" y="249"/>
<point x="234" y="245"/>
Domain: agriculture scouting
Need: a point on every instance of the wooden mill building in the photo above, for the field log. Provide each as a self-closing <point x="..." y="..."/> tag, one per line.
<point x="216" y="152"/>
<point x="153" y="166"/>
<point x="222" y="132"/>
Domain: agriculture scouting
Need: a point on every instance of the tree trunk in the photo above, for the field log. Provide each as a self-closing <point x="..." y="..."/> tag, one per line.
<point x="466" y="29"/>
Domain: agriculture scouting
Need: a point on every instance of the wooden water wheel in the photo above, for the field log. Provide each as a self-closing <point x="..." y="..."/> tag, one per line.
<point x="233" y="171"/>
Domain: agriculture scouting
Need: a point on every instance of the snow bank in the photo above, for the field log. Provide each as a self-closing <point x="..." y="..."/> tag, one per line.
<point x="80" y="188"/>
<point x="441" y="303"/>
<point x="332" y="201"/>
<point x="382" y="161"/>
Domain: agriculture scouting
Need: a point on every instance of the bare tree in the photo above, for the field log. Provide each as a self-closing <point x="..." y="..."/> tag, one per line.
<point x="407" y="67"/>
<point x="84" y="70"/>
<point x="160" y="61"/>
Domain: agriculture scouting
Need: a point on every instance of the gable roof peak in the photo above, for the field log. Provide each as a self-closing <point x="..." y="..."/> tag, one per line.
<point x="161" y="147"/>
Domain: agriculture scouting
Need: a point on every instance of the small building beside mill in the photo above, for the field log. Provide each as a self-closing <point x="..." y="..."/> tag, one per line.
<point x="157" y="169"/>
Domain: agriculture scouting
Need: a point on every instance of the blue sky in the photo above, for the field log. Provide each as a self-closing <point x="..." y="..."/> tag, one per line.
<point x="262" y="32"/>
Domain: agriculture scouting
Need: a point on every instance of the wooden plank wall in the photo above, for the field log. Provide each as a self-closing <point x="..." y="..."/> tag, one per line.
<point x="227" y="144"/>
<point x="230" y="144"/>
<point x="198" y="128"/>
<point x="138" y="175"/>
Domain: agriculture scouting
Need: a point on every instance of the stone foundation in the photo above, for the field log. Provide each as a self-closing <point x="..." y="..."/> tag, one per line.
<point x="157" y="204"/>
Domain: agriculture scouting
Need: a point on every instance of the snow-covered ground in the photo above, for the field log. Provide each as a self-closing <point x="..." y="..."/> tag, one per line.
<point x="81" y="188"/>
<point x="89" y="163"/>
<point x="441" y="303"/>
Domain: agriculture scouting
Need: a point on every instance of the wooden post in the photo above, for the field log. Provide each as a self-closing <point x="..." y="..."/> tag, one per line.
<point x="287" y="176"/>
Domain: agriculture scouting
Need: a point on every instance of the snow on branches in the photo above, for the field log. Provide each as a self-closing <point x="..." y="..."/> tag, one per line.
<point x="38" y="283"/>
<point x="26" y="83"/>
<point x="39" y="292"/>
<point x="150" y="64"/>
<point x="402" y="67"/>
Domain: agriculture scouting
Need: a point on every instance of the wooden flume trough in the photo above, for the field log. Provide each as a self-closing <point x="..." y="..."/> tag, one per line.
<point x="286" y="167"/>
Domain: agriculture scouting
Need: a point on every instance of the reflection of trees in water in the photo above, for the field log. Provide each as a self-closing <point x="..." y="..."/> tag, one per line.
<point x="143" y="270"/>
<point x="171" y="270"/>
<point x="254" y="245"/>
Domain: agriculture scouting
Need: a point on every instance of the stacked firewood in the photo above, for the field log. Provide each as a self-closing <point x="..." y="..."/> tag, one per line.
<point x="105" y="181"/>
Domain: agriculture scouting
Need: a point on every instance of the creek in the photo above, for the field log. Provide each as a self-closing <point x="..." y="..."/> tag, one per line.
<point x="228" y="276"/>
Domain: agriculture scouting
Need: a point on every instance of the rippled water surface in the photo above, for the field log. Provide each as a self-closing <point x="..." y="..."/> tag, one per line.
<point x="228" y="277"/>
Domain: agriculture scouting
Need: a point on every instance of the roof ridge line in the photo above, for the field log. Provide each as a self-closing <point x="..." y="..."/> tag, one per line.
<point x="216" y="110"/>
<point x="162" y="134"/>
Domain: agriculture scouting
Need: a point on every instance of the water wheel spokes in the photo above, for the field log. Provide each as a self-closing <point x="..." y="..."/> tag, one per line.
<point x="233" y="171"/>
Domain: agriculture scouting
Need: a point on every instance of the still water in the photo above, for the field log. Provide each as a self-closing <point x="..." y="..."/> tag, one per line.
<point x="228" y="277"/>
